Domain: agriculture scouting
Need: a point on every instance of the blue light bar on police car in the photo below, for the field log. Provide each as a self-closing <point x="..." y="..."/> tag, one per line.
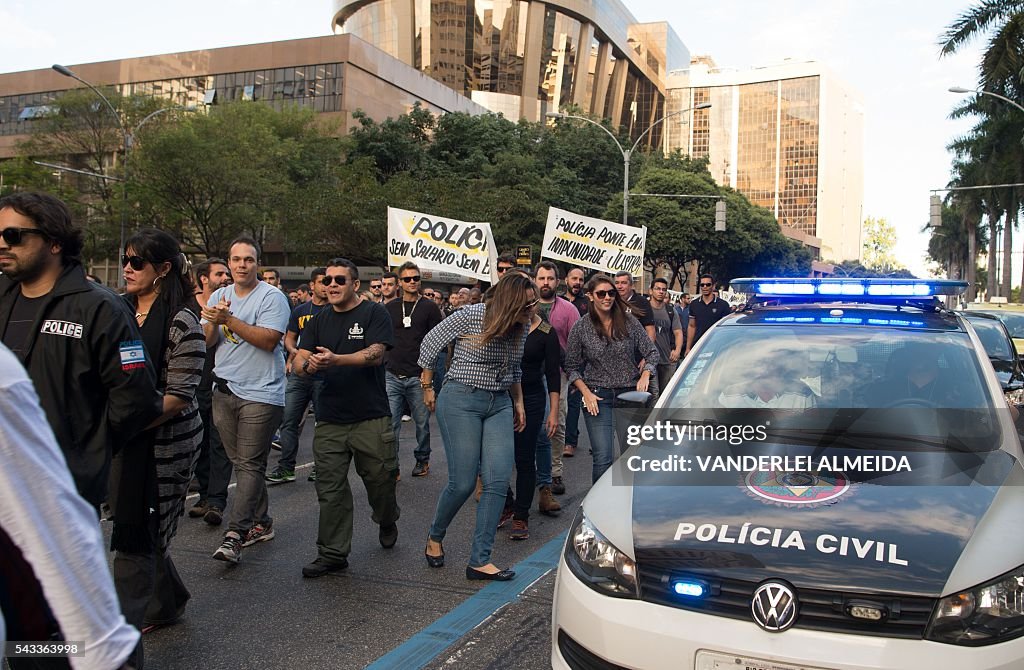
<point x="848" y="287"/>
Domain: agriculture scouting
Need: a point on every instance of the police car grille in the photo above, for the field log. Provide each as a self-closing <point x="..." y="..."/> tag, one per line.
<point x="820" y="609"/>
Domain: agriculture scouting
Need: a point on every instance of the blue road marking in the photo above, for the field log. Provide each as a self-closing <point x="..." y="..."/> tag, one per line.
<point x="426" y="645"/>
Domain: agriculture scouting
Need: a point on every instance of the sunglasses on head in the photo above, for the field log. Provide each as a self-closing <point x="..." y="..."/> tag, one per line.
<point x="409" y="279"/>
<point x="14" y="236"/>
<point x="327" y="280"/>
<point x="601" y="295"/>
<point x="136" y="262"/>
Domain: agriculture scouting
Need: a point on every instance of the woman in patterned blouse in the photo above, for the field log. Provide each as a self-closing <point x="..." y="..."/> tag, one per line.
<point x="601" y="361"/>
<point x="479" y="406"/>
<point x="150" y="480"/>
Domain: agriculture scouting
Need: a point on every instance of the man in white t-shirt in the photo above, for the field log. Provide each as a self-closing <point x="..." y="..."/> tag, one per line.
<point x="55" y="531"/>
<point x="246" y="322"/>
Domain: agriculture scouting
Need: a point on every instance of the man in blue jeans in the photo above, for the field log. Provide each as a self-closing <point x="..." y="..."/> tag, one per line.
<point x="412" y="317"/>
<point x="300" y="390"/>
<point x="246" y="322"/>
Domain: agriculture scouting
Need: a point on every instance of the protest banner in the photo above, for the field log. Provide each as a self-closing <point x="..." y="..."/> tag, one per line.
<point x="593" y="243"/>
<point x="434" y="243"/>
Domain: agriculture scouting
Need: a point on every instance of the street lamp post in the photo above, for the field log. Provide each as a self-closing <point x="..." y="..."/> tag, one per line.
<point x="126" y="138"/>
<point x="961" y="89"/>
<point x="626" y="153"/>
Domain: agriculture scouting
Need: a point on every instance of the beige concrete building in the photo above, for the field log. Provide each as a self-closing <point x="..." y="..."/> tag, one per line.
<point x="790" y="137"/>
<point x="334" y="75"/>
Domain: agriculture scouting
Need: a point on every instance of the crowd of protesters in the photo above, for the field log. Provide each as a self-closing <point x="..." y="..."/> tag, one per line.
<point x="192" y="372"/>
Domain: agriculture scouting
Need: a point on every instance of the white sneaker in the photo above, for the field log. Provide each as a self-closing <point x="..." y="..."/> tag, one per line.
<point x="406" y="417"/>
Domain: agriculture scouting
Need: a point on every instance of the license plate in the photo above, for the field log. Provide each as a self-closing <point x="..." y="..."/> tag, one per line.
<point x="712" y="660"/>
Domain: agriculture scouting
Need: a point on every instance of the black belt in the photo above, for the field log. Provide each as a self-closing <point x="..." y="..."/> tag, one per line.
<point x="222" y="386"/>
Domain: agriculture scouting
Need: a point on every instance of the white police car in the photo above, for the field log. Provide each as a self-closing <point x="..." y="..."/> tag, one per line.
<point x="831" y="481"/>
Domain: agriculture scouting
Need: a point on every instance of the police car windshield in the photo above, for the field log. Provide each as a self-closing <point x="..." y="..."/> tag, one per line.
<point x="1014" y="321"/>
<point x="992" y="337"/>
<point x="893" y="383"/>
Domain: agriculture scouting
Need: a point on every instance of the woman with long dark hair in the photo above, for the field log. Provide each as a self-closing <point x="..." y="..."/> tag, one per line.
<point x="150" y="478"/>
<point x="601" y="356"/>
<point x="479" y="407"/>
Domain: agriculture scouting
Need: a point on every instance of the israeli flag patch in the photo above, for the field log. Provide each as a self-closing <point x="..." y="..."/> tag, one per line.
<point x="133" y="355"/>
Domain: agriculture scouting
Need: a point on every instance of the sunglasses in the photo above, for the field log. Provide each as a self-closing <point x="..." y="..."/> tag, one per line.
<point x="136" y="262"/>
<point x="502" y="269"/>
<point x="374" y="285"/>
<point x="13" y="236"/>
<point x="327" y="280"/>
<point x="529" y="305"/>
<point x="409" y="279"/>
<point x="703" y="285"/>
<point x="601" y="295"/>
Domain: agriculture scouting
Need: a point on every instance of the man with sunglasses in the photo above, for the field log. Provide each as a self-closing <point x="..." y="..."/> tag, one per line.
<point x="77" y="340"/>
<point x="412" y="318"/>
<point x="505" y="263"/>
<point x="299" y="390"/>
<point x="246" y="321"/>
<point x="345" y="346"/>
<point x="375" y="287"/>
<point x="705" y="311"/>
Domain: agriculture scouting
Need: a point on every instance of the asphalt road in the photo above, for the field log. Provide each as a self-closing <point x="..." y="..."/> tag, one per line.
<point x="388" y="609"/>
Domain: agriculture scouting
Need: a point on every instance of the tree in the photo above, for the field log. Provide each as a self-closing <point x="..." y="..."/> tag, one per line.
<point x="879" y="242"/>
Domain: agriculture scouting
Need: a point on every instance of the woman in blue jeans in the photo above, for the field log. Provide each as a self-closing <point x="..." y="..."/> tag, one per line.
<point x="479" y="407"/>
<point x="601" y="361"/>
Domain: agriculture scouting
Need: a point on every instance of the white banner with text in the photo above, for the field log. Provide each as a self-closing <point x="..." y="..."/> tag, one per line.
<point x="593" y="243"/>
<point x="435" y="243"/>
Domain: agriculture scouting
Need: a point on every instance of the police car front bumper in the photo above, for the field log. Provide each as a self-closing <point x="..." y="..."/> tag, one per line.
<point x="599" y="631"/>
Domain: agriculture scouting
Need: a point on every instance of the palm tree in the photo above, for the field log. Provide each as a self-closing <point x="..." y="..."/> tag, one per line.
<point x="1003" y="21"/>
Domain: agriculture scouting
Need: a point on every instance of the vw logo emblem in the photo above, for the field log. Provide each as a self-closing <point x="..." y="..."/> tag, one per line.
<point x="774" y="606"/>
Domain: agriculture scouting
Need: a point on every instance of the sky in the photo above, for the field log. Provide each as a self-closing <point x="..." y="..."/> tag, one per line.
<point x="887" y="51"/>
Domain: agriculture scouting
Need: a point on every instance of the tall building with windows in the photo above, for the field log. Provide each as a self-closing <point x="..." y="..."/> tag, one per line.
<point x="789" y="137"/>
<point x="526" y="58"/>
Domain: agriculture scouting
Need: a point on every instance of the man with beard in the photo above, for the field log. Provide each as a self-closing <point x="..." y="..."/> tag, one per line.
<point x="84" y="354"/>
<point x="562" y="316"/>
<point x="574" y="281"/>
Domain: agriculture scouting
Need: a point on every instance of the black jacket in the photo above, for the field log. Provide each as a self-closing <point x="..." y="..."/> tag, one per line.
<point x="82" y="359"/>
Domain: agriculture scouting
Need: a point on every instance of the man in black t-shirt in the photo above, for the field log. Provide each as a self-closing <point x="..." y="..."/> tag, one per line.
<point x="412" y="317"/>
<point x="345" y="345"/>
<point x="574" y="281"/>
<point x="705" y="311"/>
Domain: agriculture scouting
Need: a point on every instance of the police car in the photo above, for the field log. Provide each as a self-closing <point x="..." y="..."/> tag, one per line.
<point x="832" y="481"/>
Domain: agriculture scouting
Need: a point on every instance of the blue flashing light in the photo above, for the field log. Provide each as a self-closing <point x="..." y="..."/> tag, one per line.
<point x="846" y="320"/>
<point x="690" y="588"/>
<point x="849" y="287"/>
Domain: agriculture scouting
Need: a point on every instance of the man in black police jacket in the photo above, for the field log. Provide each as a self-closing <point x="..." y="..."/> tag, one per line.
<point x="77" y="340"/>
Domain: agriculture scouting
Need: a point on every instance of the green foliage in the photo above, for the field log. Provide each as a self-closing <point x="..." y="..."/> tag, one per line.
<point x="879" y="242"/>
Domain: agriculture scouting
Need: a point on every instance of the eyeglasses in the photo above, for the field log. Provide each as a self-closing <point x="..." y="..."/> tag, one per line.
<point x="406" y="280"/>
<point x="703" y="284"/>
<point x="137" y="262"/>
<point x="327" y="280"/>
<point x="502" y="269"/>
<point x="13" y="236"/>
<point x="528" y="306"/>
<point x="601" y="295"/>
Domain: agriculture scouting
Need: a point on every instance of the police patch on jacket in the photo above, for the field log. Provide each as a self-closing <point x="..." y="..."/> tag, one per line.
<point x="65" y="328"/>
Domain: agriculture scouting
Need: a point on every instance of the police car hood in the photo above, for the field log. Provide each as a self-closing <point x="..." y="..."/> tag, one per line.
<point x="895" y="532"/>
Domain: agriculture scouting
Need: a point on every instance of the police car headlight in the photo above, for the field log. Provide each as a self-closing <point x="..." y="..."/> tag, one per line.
<point x="597" y="562"/>
<point x="987" y="614"/>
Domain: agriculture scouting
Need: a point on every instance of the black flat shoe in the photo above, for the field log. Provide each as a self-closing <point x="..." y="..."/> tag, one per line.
<point x="434" y="561"/>
<point x="503" y="576"/>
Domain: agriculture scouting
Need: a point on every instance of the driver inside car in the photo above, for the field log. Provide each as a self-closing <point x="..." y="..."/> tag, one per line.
<point x="914" y="378"/>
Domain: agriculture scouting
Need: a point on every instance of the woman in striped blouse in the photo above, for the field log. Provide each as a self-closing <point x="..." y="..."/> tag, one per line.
<point x="479" y="406"/>
<point x="151" y="477"/>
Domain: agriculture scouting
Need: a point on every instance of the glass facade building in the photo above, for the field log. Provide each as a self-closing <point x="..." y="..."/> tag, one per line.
<point x="788" y="137"/>
<point x="524" y="58"/>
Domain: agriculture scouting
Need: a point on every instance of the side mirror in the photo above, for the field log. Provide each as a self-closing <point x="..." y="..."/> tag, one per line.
<point x="638" y="397"/>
